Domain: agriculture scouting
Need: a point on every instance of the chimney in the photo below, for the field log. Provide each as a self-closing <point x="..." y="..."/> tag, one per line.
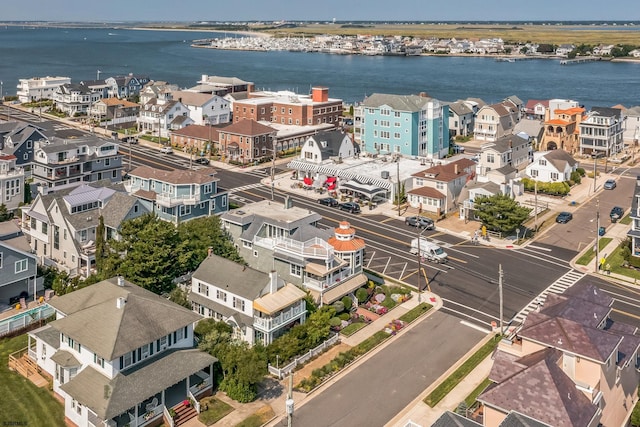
<point x="120" y="302"/>
<point x="455" y="169"/>
<point x="209" y="251"/>
<point x="120" y="281"/>
<point x="273" y="282"/>
<point x="320" y="94"/>
<point x="424" y="95"/>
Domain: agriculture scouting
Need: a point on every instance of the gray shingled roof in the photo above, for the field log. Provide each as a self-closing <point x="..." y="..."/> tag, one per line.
<point x="589" y="292"/>
<point x="133" y="386"/>
<point x="582" y="311"/>
<point x="65" y="359"/>
<point x="49" y="335"/>
<point x="505" y="143"/>
<point x="607" y="111"/>
<point x="558" y="158"/>
<point x="411" y="103"/>
<point x="93" y="320"/>
<point x="543" y="392"/>
<point x="514" y="419"/>
<point x="333" y="140"/>
<point x="226" y="274"/>
<point x="451" y="419"/>
<point x="460" y="108"/>
<point x="116" y="210"/>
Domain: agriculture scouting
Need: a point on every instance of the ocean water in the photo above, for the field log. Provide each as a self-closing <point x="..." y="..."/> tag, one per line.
<point x="167" y="55"/>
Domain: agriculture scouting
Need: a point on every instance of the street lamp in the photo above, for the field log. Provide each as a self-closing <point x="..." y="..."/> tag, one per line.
<point x="597" y="248"/>
<point x="274" y="139"/>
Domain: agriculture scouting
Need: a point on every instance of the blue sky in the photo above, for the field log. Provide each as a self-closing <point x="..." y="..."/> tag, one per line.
<point x="323" y="10"/>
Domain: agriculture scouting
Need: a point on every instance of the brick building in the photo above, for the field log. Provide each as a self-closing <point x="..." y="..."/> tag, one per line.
<point x="246" y="141"/>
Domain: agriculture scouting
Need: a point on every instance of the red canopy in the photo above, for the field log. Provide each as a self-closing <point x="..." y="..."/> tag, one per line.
<point x="331" y="179"/>
<point x="331" y="186"/>
<point x="308" y="180"/>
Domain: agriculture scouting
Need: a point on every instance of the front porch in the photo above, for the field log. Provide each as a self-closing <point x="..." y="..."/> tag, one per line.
<point x="23" y="363"/>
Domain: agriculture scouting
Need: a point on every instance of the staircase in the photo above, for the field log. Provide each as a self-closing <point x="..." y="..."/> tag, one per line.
<point x="183" y="414"/>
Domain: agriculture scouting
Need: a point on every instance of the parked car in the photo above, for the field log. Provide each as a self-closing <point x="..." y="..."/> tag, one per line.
<point x="616" y="213"/>
<point x="328" y="201"/>
<point x="458" y="148"/>
<point x="610" y="184"/>
<point x="349" y="207"/>
<point x="166" y="149"/>
<point x="564" y="217"/>
<point x="601" y="231"/>
<point x="419" y="221"/>
<point x="202" y="161"/>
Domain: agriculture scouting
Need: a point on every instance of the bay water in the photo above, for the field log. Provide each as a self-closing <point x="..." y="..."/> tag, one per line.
<point x="167" y="55"/>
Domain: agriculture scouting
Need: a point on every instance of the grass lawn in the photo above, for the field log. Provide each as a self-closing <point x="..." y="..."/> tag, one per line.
<point x="259" y="418"/>
<point x="216" y="410"/>
<point x="415" y="312"/>
<point x="22" y="402"/>
<point x="588" y="255"/>
<point x="459" y="374"/>
<point x="626" y="220"/>
<point x="471" y="399"/>
<point x="352" y="329"/>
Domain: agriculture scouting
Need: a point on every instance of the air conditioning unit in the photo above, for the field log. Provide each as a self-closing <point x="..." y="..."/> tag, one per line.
<point x="384" y="174"/>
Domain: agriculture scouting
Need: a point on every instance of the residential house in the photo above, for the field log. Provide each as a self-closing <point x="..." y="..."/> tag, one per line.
<point x="631" y="133"/>
<point x="290" y="108"/>
<point x="98" y="86"/>
<point x="601" y="132"/>
<point x="603" y="50"/>
<point x="121" y="355"/>
<point x="37" y="88"/>
<point x="509" y="150"/>
<point x="570" y="364"/>
<point x="495" y="121"/>
<point x="536" y="109"/>
<point x="407" y="125"/>
<point x="564" y="49"/>
<point x="19" y="139"/>
<point x="61" y="162"/>
<point x="74" y="99"/>
<point x="327" y="145"/>
<point x="161" y="115"/>
<point x="157" y="89"/>
<point x="436" y="190"/>
<point x="281" y="237"/>
<point x="551" y="166"/>
<point x="62" y="225"/>
<point x="222" y="86"/>
<point x="246" y="141"/>
<point x="114" y="111"/>
<point x="11" y="182"/>
<point x="461" y="118"/>
<point x="562" y="126"/>
<point x="197" y="139"/>
<point x="178" y="195"/>
<point x="205" y="109"/>
<point x="126" y="86"/>
<point x="18" y="270"/>
<point x="634" y="214"/>
<point x="259" y="307"/>
<point x="515" y="103"/>
<point x="635" y="53"/>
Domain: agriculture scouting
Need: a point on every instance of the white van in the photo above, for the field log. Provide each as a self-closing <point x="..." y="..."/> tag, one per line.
<point x="429" y="251"/>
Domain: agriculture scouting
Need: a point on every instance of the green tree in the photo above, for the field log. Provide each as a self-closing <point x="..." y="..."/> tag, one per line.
<point x="180" y="297"/>
<point x="27" y="193"/>
<point x="500" y="212"/>
<point x="145" y="254"/>
<point x="5" y="215"/>
<point x="200" y="234"/>
<point x="100" y="245"/>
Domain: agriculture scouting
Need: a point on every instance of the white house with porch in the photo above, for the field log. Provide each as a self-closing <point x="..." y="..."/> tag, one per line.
<point x="552" y="166"/>
<point x="120" y="355"/>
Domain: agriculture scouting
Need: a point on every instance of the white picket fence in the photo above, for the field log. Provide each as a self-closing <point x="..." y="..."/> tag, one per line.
<point x="285" y="370"/>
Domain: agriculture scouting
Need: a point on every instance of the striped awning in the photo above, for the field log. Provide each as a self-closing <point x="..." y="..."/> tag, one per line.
<point x="302" y="165"/>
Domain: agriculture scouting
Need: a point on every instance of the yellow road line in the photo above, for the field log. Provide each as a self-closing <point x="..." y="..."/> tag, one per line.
<point x="387" y="220"/>
<point x="409" y="275"/>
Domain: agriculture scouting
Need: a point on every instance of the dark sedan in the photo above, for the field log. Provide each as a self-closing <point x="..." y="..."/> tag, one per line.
<point x="564" y="217"/>
<point x="616" y="213"/>
<point x="202" y="161"/>
<point x="328" y="201"/>
<point x="349" y="207"/>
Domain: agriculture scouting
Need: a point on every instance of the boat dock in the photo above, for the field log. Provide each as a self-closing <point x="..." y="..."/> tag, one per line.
<point x="580" y="60"/>
<point x="515" y="58"/>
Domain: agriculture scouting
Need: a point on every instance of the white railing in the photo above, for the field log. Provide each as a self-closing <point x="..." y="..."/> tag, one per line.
<point x="167" y="416"/>
<point x="196" y="404"/>
<point x="171" y="201"/>
<point x="25" y="318"/>
<point x="199" y="388"/>
<point x="270" y="323"/>
<point x="282" y="372"/>
<point x="150" y="415"/>
<point x="326" y="284"/>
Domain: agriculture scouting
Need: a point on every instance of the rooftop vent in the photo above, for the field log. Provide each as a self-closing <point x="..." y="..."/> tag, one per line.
<point x="120" y="281"/>
<point x="120" y="302"/>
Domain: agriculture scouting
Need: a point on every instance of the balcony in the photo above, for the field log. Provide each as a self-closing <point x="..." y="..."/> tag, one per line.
<point x="268" y="324"/>
<point x="327" y="283"/>
<point x="314" y="248"/>
<point x="172" y="201"/>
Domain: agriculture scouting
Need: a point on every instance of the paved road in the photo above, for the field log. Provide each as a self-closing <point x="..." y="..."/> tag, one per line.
<point x="377" y="390"/>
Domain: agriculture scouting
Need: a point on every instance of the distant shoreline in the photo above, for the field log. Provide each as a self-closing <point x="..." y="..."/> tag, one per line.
<point x="194" y="30"/>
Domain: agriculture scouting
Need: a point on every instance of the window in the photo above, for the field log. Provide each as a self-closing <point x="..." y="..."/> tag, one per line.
<point x="384" y="123"/>
<point x="45" y="228"/>
<point x="554" y="176"/>
<point x="221" y="295"/>
<point x="534" y="173"/>
<point x="98" y="360"/>
<point x="21" y="265"/>
<point x="247" y="244"/>
<point x="208" y="188"/>
<point x="490" y="158"/>
<point x="295" y="270"/>
<point x="185" y="210"/>
<point x="238" y="304"/>
<point x="1" y="256"/>
<point x="542" y="162"/>
<point x="384" y="134"/>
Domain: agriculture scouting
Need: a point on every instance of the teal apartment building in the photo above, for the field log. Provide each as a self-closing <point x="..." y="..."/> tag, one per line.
<point x="406" y="125"/>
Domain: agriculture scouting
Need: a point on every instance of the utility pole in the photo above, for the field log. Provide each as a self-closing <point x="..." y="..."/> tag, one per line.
<point x="419" y="265"/>
<point x="398" y="176"/>
<point x="535" y="204"/>
<point x="595" y="160"/>
<point x="597" y="247"/>
<point x="273" y="167"/>
<point x="289" y="402"/>
<point x="500" y="274"/>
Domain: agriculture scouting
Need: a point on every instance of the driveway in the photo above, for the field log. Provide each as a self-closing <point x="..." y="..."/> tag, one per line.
<point x="377" y="390"/>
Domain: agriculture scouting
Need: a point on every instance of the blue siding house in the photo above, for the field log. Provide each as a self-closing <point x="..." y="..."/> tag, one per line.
<point x="406" y="125"/>
<point x="178" y="195"/>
